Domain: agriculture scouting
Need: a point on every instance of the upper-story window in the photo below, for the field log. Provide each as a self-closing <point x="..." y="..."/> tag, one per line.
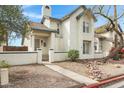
<point x="58" y="28"/>
<point x="85" y="27"/>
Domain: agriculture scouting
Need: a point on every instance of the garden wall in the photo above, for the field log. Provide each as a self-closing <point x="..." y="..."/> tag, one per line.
<point x="57" y="56"/>
<point x="60" y="56"/>
<point x="21" y="58"/>
<point x="100" y="55"/>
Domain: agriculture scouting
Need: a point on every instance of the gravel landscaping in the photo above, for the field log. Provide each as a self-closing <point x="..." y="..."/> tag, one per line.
<point x="37" y="76"/>
<point x="95" y="70"/>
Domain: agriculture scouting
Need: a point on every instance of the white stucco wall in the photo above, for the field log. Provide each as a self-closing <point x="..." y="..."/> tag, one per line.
<point x="47" y="22"/>
<point x="53" y="25"/>
<point x="58" y="56"/>
<point x="73" y="36"/>
<point x="106" y="46"/>
<point x="108" y="35"/>
<point x="66" y="35"/>
<point x="19" y="58"/>
<point x="86" y="36"/>
<point x="99" y="55"/>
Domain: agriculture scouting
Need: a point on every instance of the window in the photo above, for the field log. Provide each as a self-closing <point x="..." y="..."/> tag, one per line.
<point x="85" y="27"/>
<point x="86" y="47"/>
<point x="95" y="46"/>
<point x="100" y="45"/>
<point x="57" y="28"/>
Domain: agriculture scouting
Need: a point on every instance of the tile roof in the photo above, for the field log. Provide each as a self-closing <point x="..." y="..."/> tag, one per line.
<point x="101" y="29"/>
<point x="40" y="27"/>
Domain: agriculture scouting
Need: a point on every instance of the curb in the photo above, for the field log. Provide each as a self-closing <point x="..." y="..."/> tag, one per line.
<point x="105" y="81"/>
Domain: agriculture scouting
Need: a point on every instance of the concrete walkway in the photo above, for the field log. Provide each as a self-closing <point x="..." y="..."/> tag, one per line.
<point x="117" y="85"/>
<point x="75" y="76"/>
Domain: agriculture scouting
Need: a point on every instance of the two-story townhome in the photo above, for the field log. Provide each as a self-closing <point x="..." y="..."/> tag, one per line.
<point x="73" y="31"/>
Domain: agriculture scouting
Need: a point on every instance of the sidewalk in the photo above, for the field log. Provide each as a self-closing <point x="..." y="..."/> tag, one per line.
<point x="117" y="85"/>
<point x="75" y="76"/>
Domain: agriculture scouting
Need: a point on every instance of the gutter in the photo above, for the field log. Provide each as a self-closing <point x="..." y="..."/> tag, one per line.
<point x="105" y="81"/>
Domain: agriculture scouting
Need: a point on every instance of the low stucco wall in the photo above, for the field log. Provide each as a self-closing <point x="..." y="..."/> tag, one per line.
<point x="60" y="56"/>
<point x="19" y="58"/>
<point x="100" y="55"/>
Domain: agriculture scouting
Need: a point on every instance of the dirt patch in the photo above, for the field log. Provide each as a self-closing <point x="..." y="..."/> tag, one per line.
<point x="37" y="76"/>
<point x="96" y="71"/>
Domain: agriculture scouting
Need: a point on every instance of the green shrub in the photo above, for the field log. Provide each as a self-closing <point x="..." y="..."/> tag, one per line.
<point x="116" y="57"/>
<point x="4" y="64"/>
<point x="73" y="54"/>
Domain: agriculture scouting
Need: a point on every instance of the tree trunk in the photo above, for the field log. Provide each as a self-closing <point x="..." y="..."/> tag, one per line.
<point x="118" y="48"/>
<point x="6" y="39"/>
<point x="23" y="39"/>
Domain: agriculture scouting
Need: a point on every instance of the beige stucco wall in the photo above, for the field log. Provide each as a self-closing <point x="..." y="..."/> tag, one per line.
<point x="109" y="35"/>
<point x="60" y="56"/>
<point x="86" y="36"/>
<point x="19" y="58"/>
<point x="66" y="35"/>
<point x="47" y="22"/>
<point x="73" y="36"/>
<point x="53" y="25"/>
<point x="106" y="46"/>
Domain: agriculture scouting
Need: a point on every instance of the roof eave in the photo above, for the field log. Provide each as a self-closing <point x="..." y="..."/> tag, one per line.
<point x="45" y="30"/>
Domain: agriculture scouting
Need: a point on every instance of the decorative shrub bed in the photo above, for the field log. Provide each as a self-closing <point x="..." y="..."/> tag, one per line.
<point x="119" y="55"/>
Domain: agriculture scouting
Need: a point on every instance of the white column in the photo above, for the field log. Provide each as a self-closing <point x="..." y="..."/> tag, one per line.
<point x="33" y="42"/>
<point x="4" y="76"/>
<point x="52" y="41"/>
<point x="51" y="55"/>
<point x="39" y="55"/>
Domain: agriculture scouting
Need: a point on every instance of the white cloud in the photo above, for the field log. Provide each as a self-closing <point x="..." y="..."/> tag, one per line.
<point x="32" y="15"/>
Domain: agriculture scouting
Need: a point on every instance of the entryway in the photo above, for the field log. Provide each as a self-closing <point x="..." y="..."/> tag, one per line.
<point x="43" y="43"/>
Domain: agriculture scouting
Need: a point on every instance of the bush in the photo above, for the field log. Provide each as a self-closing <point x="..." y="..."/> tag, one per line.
<point x="73" y="55"/>
<point x="116" y="57"/>
<point x="119" y="55"/>
<point x="4" y="64"/>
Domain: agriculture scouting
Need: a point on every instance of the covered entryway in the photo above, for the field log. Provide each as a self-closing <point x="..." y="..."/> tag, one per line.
<point x="42" y="37"/>
<point x="43" y="43"/>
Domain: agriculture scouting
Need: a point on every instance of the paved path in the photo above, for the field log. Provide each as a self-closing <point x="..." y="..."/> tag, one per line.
<point x="117" y="85"/>
<point x="75" y="76"/>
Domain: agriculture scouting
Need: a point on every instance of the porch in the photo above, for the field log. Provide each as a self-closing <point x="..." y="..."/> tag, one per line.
<point x="43" y="40"/>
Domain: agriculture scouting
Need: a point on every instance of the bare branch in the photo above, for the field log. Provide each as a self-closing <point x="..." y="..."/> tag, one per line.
<point x="120" y="28"/>
<point x="108" y="10"/>
<point x="119" y="17"/>
<point x="103" y="15"/>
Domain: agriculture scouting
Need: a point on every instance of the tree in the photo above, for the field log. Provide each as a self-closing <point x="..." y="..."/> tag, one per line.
<point x="24" y="32"/>
<point x="12" y="21"/>
<point x="112" y="26"/>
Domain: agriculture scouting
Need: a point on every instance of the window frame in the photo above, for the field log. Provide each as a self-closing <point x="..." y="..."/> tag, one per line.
<point x="86" y="27"/>
<point x="86" y="47"/>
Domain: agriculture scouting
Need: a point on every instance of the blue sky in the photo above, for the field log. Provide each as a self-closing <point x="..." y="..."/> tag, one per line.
<point x="58" y="11"/>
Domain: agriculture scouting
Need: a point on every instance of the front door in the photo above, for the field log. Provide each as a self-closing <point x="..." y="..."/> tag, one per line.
<point x="43" y="45"/>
